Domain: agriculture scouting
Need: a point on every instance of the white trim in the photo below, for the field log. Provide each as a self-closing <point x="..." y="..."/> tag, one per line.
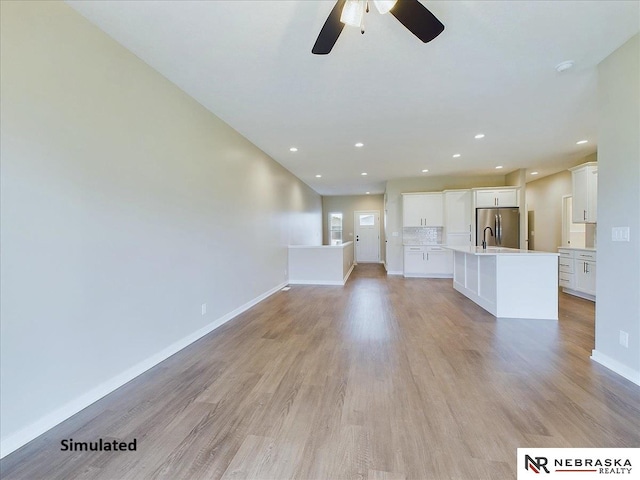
<point x="615" y="366"/>
<point x="40" y="426"/>
<point x="577" y="293"/>
<point x="346" y="277"/>
<point x="316" y="282"/>
<point x="390" y="272"/>
<point x="428" y="275"/>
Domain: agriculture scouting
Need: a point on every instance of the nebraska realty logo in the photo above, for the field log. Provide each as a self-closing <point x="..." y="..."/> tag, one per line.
<point x="583" y="463"/>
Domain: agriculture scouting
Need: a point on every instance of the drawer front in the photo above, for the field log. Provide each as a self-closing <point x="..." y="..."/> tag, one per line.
<point x="585" y="255"/>
<point x="414" y="249"/>
<point x="565" y="265"/>
<point x="565" y="280"/>
<point x="564" y="253"/>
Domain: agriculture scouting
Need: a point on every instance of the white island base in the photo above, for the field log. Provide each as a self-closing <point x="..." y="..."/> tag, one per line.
<point x="508" y="283"/>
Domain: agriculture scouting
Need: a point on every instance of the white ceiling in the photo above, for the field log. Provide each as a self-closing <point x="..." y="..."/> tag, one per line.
<point x="413" y="105"/>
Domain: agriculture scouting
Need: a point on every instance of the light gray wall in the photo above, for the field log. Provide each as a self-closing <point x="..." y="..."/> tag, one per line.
<point x="393" y="206"/>
<point x="347" y="204"/>
<point x="618" y="265"/>
<point x="125" y="206"/>
<point x="544" y="198"/>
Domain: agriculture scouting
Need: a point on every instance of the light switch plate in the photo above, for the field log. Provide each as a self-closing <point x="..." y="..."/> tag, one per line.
<point x="620" y="234"/>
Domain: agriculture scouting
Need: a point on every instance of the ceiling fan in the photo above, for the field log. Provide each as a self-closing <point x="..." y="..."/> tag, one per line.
<point x="411" y="13"/>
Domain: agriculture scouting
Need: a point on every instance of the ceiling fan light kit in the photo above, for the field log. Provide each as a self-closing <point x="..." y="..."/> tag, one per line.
<point x="411" y="13"/>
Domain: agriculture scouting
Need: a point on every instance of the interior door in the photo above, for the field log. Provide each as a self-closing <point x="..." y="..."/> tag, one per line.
<point x="367" y="230"/>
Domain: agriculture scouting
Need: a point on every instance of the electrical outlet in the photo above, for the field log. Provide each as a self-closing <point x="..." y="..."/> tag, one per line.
<point x="204" y="309"/>
<point x="624" y="339"/>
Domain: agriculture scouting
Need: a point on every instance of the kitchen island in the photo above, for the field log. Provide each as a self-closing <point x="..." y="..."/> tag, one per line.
<point x="508" y="282"/>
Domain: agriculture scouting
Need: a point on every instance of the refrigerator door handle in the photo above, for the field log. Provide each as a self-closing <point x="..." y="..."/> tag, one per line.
<point x="496" y="225"/>
<point x="500" y="228"/>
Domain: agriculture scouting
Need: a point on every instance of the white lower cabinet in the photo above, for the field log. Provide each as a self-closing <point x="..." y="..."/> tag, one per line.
<point x="426" y="261"/>
<point x="577" y="272"/>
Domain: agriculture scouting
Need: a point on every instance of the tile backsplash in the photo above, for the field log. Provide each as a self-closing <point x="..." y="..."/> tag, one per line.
<point x="422" y="235"/>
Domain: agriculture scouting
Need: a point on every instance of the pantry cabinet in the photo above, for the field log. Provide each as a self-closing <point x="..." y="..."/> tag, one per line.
<point x="584" y="180"/>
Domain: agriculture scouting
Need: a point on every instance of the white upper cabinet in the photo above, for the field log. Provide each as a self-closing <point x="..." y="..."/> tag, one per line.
<point x="457" y="211"/>
<point x="585" y="192"/>
<point x="422" y="210"/>
<point x="499" y="197"/>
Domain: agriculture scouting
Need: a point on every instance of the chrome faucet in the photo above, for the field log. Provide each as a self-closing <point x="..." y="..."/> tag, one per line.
<point x="484" y="237"/>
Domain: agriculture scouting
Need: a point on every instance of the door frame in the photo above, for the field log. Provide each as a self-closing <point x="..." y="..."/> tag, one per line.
<point x="355" y="233"/>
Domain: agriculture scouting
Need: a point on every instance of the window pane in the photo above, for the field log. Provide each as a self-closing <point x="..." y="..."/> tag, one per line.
<point x="366" y="220"/>
<point x="335" y="228"/>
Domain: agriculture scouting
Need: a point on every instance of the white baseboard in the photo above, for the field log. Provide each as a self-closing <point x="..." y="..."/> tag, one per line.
<point x="616" y="366"/>
<point x="316" y="282"/>
<point x="390" y="272"/>
<point x="428" y="275"/>
<point x="346" y="277"/>
<point x="576" y="293"/>
<point x="37" y="428"/>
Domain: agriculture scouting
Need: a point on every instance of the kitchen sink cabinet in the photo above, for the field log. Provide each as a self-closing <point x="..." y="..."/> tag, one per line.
<point x="422" y="261"/>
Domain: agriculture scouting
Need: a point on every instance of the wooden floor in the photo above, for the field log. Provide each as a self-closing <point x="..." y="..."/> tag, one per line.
<point x="385" y="378"/>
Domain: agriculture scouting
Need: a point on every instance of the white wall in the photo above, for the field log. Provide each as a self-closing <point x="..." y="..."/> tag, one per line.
<point x="618" y="272"/>
<point x="393" y="206"/>
<point x="125" y="206"/>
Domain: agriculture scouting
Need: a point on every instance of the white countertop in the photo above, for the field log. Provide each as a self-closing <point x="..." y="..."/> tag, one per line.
<point x="588" y="249"/>
<point x="498" y="251"/>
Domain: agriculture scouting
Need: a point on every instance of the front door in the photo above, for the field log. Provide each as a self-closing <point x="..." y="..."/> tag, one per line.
<point x="367" y="230"/>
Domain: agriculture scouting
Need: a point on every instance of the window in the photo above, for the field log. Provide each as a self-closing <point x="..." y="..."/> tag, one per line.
<point x="367" y="220"/>
<point x="335" y="228"/>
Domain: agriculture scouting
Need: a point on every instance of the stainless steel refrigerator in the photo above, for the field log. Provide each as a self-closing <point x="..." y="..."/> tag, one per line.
<point x="504" y="223"/>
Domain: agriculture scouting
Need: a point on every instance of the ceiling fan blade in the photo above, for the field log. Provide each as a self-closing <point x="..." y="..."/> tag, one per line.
<point x="418" y="20"/>
<point x="330" y="30"/>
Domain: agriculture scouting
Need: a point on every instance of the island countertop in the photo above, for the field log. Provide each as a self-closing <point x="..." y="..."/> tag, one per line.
<point x="498" y="251"/>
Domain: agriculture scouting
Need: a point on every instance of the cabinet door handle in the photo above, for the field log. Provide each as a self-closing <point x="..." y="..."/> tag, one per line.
<point x="584" y="215"/>
<point x="423" y="256"/>
<point x="427" y="256"/>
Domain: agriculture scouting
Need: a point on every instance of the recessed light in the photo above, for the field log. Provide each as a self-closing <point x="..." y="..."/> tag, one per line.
<point x="293" y="149"/>
<point x="367" y="193"/>
<point x="499" y="167"/>
<point x="363" y="173"/>
<point x="580" y="142"/>
<point x="425" y="170"/>
<point x="456" y="155"/>
<point x="480" y="135"/>
<point x="534" y="173"/>
<point x="318" y="176"/>
<point x="359" y="144"/>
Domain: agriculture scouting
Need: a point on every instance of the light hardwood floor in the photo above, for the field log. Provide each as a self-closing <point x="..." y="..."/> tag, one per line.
<point x="385" y="378"/>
